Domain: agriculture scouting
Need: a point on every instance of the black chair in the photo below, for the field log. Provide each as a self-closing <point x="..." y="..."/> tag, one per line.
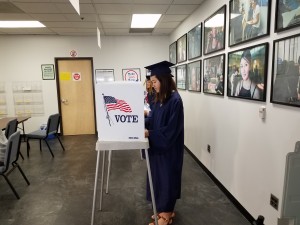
<point x="10" y="160"/>
<point x="52" y="129"/>
<point x="11" y="127"/>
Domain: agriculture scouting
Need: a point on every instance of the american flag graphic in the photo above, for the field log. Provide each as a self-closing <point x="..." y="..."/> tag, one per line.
<point x="113" y="104"/>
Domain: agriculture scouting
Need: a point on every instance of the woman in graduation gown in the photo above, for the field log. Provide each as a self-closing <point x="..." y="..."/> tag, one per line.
<point x="166" y="139"/>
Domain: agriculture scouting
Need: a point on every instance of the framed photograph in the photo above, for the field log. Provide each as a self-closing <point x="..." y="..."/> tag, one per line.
<point x="194" y="76"/>
<point x="287" y="14"/>
<point x="181" y="76"/>
<point x="247" y="72"/>
<point x="172" y="53"/>
<point x="248" y="20"/>
<point x="195" y="42"/>
<point x="48" y="72"/>
<point x="213" y="75"/>
<point x="181" y="49"/>
<point x="104" y="75"/>
<point x="173" y="72"/>
<point x="285" y="85"/>
<point x="131" y="74"/>
<point x="214" y="31"/>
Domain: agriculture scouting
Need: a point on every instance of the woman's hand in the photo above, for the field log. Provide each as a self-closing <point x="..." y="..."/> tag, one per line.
<point x="146" y="133"/>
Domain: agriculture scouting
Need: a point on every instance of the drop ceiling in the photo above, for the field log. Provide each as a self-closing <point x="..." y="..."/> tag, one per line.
<point x="113" y="17"/>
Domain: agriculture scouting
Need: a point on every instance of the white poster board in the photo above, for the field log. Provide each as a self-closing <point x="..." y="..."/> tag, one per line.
<point x="120" y="111"/>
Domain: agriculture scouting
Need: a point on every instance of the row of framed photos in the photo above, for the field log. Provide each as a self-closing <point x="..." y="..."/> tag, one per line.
<point x="247" y="71"/>
<point x="248" y="20"/>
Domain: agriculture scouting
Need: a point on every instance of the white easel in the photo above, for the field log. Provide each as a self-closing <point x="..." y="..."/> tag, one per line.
<point x="119" y="145"/>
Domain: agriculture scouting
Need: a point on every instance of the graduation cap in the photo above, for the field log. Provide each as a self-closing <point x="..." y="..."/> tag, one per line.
<point x="148" y="77"/>
<point x="161" y="68"/>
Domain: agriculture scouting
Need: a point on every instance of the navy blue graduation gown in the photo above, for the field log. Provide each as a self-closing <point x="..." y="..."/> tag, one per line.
<point x="166" y="139"/>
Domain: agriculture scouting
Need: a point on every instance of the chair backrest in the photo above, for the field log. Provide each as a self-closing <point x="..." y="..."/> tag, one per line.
<point x="11" y="127"/>
<point x="12" y="149"/>
<point x="53" y="124"/>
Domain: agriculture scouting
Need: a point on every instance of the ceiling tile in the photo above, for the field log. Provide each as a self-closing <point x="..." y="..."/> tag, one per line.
<point x="82" y="17"/>
<point x="116" y="31"/>
<point x="14" y="16"/>
<point x="70" y="24"/>
<point x="116" y="25"/>
<point x="182" y="9"/>
<point x="173" y="18"/>
<point x="152" y="1"/>
<point x="115" y="18"/>
<point x="37" y="7"/>
<point x="168" y="25"/>
<point x="155" y="9"/>
<point x="48" y="17"/>
<point x="188" y="2"/>
<point x="162" y="31"/>
<point x="113" y="1"/>
<point x="106" y="9"/>
<point x="87" y="8"/>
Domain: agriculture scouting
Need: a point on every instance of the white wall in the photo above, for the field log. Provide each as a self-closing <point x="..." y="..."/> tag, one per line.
<point x="247" y="154"/>
<point x="21" y="58"/>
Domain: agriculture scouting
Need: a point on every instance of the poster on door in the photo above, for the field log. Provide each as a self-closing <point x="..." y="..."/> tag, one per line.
<point x="76" y="76"/>
<point x="120" y="111"/>
<point x="131" y="74"/>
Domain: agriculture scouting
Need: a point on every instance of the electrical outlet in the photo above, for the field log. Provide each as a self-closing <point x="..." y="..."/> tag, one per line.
<point x="274" y="201"/>
<point x="208" y="148"/>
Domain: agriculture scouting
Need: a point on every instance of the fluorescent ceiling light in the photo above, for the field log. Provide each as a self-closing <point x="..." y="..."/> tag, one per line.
<point x="216" y="21"/>
<point x="144" y="20"/>
<point x="20" y="24"/>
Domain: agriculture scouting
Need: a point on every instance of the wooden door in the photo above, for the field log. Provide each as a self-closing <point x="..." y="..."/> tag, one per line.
<point x="76" y="95"/>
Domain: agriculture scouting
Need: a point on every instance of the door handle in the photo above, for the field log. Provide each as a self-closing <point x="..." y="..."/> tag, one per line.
<point x="64" y="101"/>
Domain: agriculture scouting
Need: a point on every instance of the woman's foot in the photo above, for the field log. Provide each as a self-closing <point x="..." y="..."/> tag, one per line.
<point x="172" y="215"/>
<point x="164" y="218"/>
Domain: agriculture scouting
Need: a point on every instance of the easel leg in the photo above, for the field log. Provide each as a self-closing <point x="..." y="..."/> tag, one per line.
<point x="95" y="188"/>
<point x="108" y="170"/>
<point x="102" y="178"/>
<point x="151" y="187"/>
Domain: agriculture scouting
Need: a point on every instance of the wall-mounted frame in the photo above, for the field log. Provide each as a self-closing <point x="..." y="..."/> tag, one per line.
<point x="181" y="48"/>
<point x="213" y="75"/>
<point x="133" y="74"/>
<point x="214" y="31"/>
<point x="181" y="77"/>
<point x="173" y="53"/>
<point x="194" y="76"/>
<point x="287" y="15"/>
<point x="104" y="75"/>
<point x="247" y="72"/>
<point x="173" y="72"/>
<point x="48" y="72"/>
<point x="248" y="20"/>
<point x="195" y="42"/>
<point x="285" y="85"/>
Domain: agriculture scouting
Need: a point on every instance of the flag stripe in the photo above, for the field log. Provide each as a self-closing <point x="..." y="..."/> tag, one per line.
<point x="113" y="104"/>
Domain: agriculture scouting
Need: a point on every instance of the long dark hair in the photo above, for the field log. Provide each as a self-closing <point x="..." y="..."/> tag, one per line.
<point x="167" y="86"/>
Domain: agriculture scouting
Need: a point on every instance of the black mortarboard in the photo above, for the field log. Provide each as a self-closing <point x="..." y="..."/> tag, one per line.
<point x="148" y="77"/>
<point x="161" y="68"/>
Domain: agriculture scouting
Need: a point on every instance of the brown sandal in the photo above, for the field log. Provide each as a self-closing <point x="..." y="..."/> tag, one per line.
<point x="162" y="220"/>
<point x="158" y="216"/>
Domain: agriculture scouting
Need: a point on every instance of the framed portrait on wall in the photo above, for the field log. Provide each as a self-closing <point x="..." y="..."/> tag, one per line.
<point x="195" y="42"/>
<point x="104" y="75"/>
<point x="214" y="31"/>
<point x="213" y="75"/>
<point x="248" y="20"/>
<point x="285" y="83"/>
<point x="181" y="49"/>
<point x="173" y="72"/>
<point x="287" y="14"/>
<point x="194" y="76"/>
<point x="172" y="53"/>
<point x="247" y="72"/>
<point x="181" y="77"/>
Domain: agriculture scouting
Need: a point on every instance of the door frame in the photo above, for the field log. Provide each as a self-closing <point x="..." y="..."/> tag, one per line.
<point x="58" y="86"/>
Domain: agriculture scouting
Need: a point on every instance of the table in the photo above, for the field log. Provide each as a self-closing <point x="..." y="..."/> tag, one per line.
<point x="21" y="119"/>
<point x="103" y="146"/>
